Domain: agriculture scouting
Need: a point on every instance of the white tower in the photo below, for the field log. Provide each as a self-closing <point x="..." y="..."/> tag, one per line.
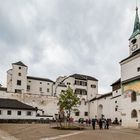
<point x="17" y="78"/>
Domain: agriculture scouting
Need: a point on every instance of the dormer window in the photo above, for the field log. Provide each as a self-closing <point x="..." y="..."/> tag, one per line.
<point x="134" y="41"/>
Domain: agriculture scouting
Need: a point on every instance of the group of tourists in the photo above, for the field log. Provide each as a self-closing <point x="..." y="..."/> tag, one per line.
<point x="102" y="123"/>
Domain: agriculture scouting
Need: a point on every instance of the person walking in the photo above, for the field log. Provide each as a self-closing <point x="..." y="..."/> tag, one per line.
<point x="93" y="123"/>
<point x="107" y="124"/>
<point x="100" y="124"/>
<point x="89" y="122"/>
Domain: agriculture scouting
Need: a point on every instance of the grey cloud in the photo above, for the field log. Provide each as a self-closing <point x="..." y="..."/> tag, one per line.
<point x="90" y="36"/>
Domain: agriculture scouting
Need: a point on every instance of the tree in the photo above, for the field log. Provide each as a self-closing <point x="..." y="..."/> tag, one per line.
<point x="68" y="101"/>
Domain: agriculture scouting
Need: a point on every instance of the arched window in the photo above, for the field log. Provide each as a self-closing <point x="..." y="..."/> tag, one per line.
<point x="133" y="96"/>
<point x="134" y="114"/>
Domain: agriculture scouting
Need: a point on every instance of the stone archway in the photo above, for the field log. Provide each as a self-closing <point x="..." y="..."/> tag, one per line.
<point x="100" y="111"/>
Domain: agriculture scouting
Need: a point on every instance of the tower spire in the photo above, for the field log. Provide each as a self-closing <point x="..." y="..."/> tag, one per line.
<point x="136" y="29"/>
<point x="137" y="23"/>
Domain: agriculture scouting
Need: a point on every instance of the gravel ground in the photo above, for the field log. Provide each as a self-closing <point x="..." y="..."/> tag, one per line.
<point x="45" y="132"/>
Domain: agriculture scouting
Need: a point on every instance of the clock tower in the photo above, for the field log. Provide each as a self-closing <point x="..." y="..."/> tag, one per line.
<point x="134" y="40"/>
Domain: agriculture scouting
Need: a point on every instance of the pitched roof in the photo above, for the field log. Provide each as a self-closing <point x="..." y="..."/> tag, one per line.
<point x="131" y="79"/>
<point x="132" y="55"/>
<point x="116" y="82"/>
<point x="38" y="78"/>
<point x="115" y="96"/>
<point x="14" y="104"/>
<point x="105" y="95"/>
<point x="102" y="96"/>
<point x="19" y="63"/>
<point x="83" y="77"/>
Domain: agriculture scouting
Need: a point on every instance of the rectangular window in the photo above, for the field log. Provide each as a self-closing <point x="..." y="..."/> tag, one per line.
<point x="84" y="92"/>
<point x="18" y="113"/>
<point x="77" y="82"/>
<point x="40" y="89"/>
<point x="138" y="69"/>
<point x="84" y="83"/>
<point x="86" y="113"/>
<point x="18" y="91"/>
<point x="9" y="112"/>
<point x="77" y="91"/>
<point x="28" y="87"/>
<point x="29" y="113"/>
<point x="81" y="91"/>
<point x="19" y="82"/>
<point x="19" y="74"/>
<point x="77" y="113"/>
<point x="48" y="90"/>
<point x="0" y="112"/>
<point x="93" y="86"/>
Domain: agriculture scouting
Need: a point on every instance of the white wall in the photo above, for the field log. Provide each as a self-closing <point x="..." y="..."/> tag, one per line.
<point x="15" y="116"/>
<point x="12" y="77"/>
<point x="129" y="68"/>
<point x="35" y="86"/>
<point x="127" y="108"/>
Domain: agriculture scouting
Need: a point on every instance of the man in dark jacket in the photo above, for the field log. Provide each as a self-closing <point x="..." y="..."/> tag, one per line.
<point x="93" y="123"/>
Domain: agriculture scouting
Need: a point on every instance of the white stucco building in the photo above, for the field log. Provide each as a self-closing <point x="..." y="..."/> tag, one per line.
<point x="107" y="105"/>
<point x="11" y="109"/>
<point x="122" y="103"/>
<point x="130" y="79"/>
<point x="43" y="93"/>
<point x="86" y="88"/>
<point x="19" y="82"/>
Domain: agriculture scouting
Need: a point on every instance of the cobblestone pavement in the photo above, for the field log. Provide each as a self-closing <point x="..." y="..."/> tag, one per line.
<point x="44" y="132"/>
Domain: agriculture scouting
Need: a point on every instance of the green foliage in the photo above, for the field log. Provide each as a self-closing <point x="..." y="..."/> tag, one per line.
<point x="68" y="101"/>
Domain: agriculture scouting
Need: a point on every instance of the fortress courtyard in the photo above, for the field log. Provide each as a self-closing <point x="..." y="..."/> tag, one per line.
<point x="45" y="132"/>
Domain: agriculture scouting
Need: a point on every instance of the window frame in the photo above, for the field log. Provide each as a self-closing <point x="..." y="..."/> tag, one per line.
<point x="77" y="113"/>
<point x="18" y="82"/>
<point x="19" y="114"/>
<point x="9" y="112"/>
<point x="133" y="96"/>
<point x="134" y="113"/>
<point x="29" y="113"/>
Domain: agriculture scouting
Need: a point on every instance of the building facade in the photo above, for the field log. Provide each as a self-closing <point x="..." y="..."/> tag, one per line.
<point x="85" y="87"/>
<point x="107" y="105"/>
<point x="43" y="93"/>
<point x="130" y="79"/>
<point x="19" y="82"/>
<point x="11" y="109"/>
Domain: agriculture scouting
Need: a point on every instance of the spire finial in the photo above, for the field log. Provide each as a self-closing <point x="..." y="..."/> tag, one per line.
<point x="136" y="5"/>
<point x="136" y="29"/>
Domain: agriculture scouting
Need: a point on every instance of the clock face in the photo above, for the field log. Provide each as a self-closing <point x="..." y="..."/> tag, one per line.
<point x="134" y="41"/>
<point x="134" y="47"/>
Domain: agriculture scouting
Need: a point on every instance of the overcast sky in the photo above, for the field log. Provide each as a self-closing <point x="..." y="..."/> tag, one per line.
<point x="62" y="37"/>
